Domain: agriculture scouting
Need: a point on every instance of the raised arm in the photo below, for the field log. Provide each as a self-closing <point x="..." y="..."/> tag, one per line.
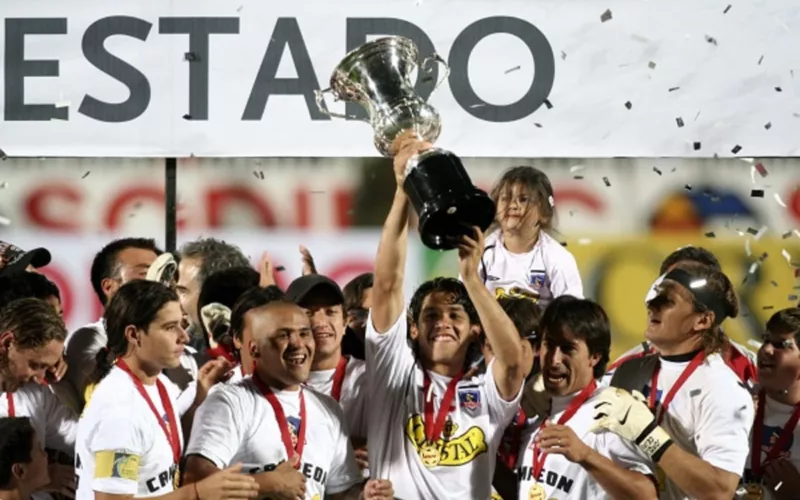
<point x="390" y="263"/>
<point x="498" y="327"/>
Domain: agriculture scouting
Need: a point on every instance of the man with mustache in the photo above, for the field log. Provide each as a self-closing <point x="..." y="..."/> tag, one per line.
<point x="241" y="422"/>
<point x="432" y="432"/>
<point x="774" y="462"/>
<point x="32" y="337"/>
<point x="558" y="456"/>
<point x="340" y="377"/>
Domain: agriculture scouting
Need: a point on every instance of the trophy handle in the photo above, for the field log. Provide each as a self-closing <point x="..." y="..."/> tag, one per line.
<point x="437" y="58"/>
<point x="319" y="97"/>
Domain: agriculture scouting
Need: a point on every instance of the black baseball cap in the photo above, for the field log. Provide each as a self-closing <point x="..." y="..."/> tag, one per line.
<point x="15" y="260"/>
<point x="300" y="288"/>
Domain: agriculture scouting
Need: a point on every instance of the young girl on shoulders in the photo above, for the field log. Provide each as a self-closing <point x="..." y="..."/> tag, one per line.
<point x="521" y="258"/>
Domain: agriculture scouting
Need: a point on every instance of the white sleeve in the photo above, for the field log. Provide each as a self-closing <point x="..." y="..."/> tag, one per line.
<point x="565" y="278"/>
<point x="62" y="424"/>
<point x="117" y="441"/>
<point x="623" y="454"/>
<point x="344" y="472"/>
<point x="723" y="431"/>
<point x="501" y="411"/>
<point x="356" y="416"/>
<point x="389" y="357"/>
<point x="81" y="351"/>
<point x="218" y="429"/>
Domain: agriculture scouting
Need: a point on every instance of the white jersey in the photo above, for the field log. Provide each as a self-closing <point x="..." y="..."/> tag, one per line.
<point x="776" y="416"/>
<point x="396" y="427"/>
<point x="121" y="448"/>
<point x="55" y="424"/>
<point x="352" y="396"/>
<point x="564" y="479"/>
<point x="236" y="424"/>
<point x="710" y="416"/>
<point x="548" y="270"/>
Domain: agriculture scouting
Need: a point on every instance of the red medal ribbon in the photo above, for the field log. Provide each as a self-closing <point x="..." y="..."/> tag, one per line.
<point x="685" y="374"/>
<point x="539" y="456"/>
<point x="172" y="432"/>
<point x="283" y="423"/>
<point x="12" y="411"/>
<point x="338" y="378"/>
<point x="434" y="424"/>
<point x="758" y="433"/>
<point x="512" y="439"/>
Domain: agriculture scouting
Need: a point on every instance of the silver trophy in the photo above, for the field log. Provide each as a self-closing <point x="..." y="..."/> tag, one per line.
<point x="377" y="76"/>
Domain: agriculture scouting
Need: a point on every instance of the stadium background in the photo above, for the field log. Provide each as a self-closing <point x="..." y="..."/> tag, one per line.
<point x="619" y="218"/>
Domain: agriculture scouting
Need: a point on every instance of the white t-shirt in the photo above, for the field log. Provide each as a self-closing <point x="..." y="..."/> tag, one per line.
<point x="564" y="479"/>
<point x="395" y="423"/>
<point x="353" y="393"/>
<point x="710" y="416"/>
<point x="55" y="424"/>
<point x="549" y="269"/>
<point x="236" y="424"/>
<point x="776" y="416"/>
<point x="118" y="424"/>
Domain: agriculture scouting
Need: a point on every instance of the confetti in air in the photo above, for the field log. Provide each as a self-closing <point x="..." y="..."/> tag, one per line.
<point x="761" y="169"/>
<point x="656" y="170"/>
<point x="5" y="185"/>
<point x="697" y="146"/>
<point x="651" y="65"/>
<point x="752" y="230"/>
<point x="187" y="116"/>
<point x="768" y="125"/>
<point x="711" y="40"/>
<point x="727" y="9"/>
<point x="710" y="234"/>
<point x="736" y="149"/>
<point x="548" y="104"/>
<point x="575" y="168"/>
<point x="606" y="182"/>
<point x="778" y="200"/>
<point x="673" y="89"/>
<point x="778" y="89"/>
<point x="606" y="16"/>
<point x="757" y="193"/>
<point x="563" y="56"/>
<point x="191" y="57"/>
<point x="761" y="59"/>
<point x="747" y="247"/>
<point x="628" y="105"/>
<point x="761" y="232"/>
<point x="538" y="125"/>
<point x="786" y="256"/>
<point x="86" y="174"/>
<point x="787" y="234"/>
<point x="511" y="70"/>
<point x="4" y="221"/>
<point x="584" y="241"/>
<point x="687" y="187"/>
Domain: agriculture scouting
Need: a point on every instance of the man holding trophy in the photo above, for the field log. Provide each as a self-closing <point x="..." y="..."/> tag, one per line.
<point x="431" y="431"/>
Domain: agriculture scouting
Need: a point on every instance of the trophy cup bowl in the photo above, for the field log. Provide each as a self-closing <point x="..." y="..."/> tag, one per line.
<point x="377" y="75"/>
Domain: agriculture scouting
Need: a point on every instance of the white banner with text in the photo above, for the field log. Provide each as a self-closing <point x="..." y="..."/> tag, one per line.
<point x="663" y="78"/>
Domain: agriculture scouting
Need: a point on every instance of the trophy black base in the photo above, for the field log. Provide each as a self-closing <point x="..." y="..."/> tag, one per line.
<point x="446" y="201"/>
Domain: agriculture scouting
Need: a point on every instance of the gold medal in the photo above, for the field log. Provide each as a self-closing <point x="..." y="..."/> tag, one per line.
<point x="430" y="455"/>
<point x="176" y="479"/>
<point x="536" y="492"/>
<point x="753" y="491"/>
